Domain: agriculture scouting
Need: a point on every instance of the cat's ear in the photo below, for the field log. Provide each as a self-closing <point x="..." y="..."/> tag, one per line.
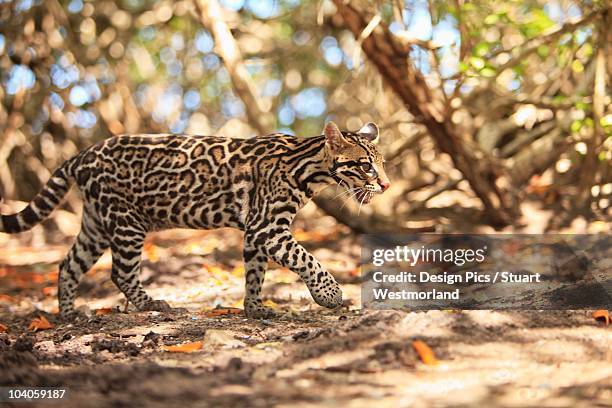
<point x="334" y="138"/>
<point x="369" y="131"/>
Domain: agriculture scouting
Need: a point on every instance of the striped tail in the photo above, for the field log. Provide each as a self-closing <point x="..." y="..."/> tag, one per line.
<point x="42" y="205"/>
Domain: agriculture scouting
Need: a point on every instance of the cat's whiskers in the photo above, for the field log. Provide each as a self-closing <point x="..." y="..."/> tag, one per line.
<point x="339" y="184"/>
<point x="351" y="196"/>
<point x="330" y="185"/>
<point x="361" y="202"/>
<point x="367" y="195"/>
<point x="345" y="192"/>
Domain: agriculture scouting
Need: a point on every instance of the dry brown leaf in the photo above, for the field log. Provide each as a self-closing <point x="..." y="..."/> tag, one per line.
<point x="271" y="304"/>
<point x="40" y="323"/>
<point x="104" y="311"/>
<point x="223" y="311"/>
<point x="425" y="353"/>
<point x="183" y="348"/>
<point x="52" y="276"/>
<point x="6" y="299"/>
<point x="213" y="269"/>
<point x="238" y="271"/>
<point x="151" y="251"/>
<point x="313" y="236"/>
<point x="602" y="315"/>
<point x="3" y="328"/>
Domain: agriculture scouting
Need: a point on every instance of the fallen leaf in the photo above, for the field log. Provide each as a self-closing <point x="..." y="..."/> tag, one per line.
<point x="271" y="304"/>
<point x="104" y="311"/>
<point x="199" y="248"/>
<point x="3" y="328"/>
<point x="151" y="251"/>
<point x="7" y="299"/>
<point x="425" y="353"/>
<point x="40" y="323"/>
<point x="314" y="236"/>
<point x="222" y="338"/>
<point x="602" y="315"/>
<point x="238" y="270"/>
<point x="222" y="311"/>
<point x="183" y="348"/>
<point x="52" y="276"/>
<point x="212" y="269"/>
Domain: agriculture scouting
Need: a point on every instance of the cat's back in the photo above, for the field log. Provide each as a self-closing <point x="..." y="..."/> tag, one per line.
<point x="125" y="161"/>
<point x="129" y="157"/>
<point x="172" y="143"/>
<point x="148" y="142"/>
<point x="152" y="149"/>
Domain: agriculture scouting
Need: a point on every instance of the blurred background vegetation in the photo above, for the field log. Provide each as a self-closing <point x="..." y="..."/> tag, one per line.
<point x="494" y="114"/>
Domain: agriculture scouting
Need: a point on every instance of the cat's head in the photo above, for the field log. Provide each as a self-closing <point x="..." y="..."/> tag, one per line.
<point x="355" y="162"/>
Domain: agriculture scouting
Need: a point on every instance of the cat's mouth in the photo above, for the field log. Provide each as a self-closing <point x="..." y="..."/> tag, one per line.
<point x="363" y="196"/>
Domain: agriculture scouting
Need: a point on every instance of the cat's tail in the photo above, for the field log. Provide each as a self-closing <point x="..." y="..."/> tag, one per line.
<point x="43" y="204"/>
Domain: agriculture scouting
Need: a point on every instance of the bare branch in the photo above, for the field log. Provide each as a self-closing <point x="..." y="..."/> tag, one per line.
<point x="449" y="185"/>
<point x="364" y="34"/>
<point x="537" y="157"/>
<point x="225" y="45"/>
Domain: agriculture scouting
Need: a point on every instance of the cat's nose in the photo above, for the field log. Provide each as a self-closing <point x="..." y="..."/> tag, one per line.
<point x="384" y="185"/>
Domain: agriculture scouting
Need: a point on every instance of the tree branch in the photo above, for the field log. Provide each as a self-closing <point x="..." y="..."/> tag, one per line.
<point x="225" y="46"/>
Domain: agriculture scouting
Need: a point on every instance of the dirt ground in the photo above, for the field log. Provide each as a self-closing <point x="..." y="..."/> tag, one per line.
<point x="308" y="356"/>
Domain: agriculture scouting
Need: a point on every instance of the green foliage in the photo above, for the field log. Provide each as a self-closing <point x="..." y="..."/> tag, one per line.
<point x="537" y="22"/>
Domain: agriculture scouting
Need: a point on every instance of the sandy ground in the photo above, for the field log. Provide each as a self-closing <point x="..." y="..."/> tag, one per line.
<point x="308" y="356"/>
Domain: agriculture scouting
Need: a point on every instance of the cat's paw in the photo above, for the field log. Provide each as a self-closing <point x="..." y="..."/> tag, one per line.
<point x="329" y="296"/>
<point x="157" y="306"/>
<point x="259" y="312"/>
<point x="73" y="315"/>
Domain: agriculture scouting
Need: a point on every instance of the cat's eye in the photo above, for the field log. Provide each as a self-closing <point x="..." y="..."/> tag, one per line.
<point x="368" y="169"/>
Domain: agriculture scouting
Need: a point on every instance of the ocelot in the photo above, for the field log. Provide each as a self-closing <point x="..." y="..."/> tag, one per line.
<point x="135" y="184"/>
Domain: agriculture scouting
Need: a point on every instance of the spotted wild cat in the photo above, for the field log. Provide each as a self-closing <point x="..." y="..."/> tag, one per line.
<point x="135" y="184"/>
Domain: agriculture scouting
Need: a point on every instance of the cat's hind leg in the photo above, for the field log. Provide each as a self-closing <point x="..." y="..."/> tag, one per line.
<point x="126" y="247"/>
<point x="90" y="244"/>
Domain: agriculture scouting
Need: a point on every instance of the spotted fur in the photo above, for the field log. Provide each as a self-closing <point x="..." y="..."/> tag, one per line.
<point x="135" y="184"/>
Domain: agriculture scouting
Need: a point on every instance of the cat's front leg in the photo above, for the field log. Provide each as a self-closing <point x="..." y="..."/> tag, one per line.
<point x="280" y="246"/>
